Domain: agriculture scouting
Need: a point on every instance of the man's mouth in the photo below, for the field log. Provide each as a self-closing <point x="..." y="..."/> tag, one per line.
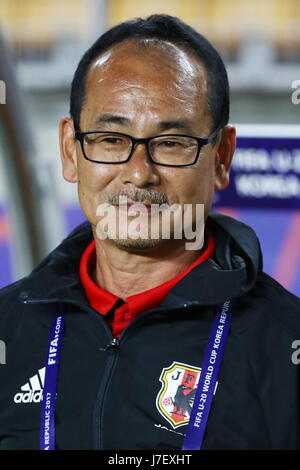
<point x="135" y="207"/>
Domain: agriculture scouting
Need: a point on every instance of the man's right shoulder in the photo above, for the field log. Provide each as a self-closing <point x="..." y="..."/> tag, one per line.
<point x="78" y="238"/>
<point x="11" y="308"/>
<point x="12" y="288"/>
<point x="11" y="293"/>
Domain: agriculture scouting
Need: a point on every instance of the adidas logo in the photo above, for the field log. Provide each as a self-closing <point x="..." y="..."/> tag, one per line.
<point x="32" y="391"/>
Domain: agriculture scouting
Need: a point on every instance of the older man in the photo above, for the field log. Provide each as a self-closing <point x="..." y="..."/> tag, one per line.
<point x="129" y="338"/>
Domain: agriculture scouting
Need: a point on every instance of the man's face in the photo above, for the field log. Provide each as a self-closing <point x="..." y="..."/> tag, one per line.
<point x="144" y="92"/>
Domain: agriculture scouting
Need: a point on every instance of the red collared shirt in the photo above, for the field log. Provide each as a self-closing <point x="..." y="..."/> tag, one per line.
<point x="103" y="301"/>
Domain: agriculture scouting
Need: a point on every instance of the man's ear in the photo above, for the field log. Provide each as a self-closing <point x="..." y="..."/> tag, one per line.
<point x="223" y="157"/>
<point x="68" y="150"/>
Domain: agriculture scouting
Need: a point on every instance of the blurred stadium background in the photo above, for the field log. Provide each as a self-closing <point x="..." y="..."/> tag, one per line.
<point x="260" y="44"/>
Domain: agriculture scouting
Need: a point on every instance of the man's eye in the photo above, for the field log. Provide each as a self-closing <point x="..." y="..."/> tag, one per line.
<point x="170" y="143"/>
<point x="104" y="140"/>
<point x="112" y="140"/>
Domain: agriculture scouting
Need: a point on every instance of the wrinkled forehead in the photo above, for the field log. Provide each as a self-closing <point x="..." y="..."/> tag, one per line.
<point x="155" y="58"/>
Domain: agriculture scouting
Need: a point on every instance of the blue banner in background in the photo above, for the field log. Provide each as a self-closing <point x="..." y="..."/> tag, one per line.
<point x="265" y="174"/>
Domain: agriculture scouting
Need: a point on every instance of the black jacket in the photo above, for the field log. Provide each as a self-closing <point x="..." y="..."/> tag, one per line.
<point x="120" y="397"/>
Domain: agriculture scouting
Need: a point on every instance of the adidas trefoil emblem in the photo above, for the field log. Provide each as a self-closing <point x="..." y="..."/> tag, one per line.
<point x="32" y="391"/>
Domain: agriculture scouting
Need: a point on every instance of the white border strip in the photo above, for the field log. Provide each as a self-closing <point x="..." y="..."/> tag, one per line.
<point x="267" y="130"/>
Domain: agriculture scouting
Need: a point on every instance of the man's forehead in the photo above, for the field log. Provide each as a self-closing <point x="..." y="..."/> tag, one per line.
<point x="161" y="81"/>
<point x="158" y="55"/>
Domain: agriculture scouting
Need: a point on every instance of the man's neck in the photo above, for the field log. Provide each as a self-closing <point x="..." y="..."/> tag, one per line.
<point x="125" y="273"/>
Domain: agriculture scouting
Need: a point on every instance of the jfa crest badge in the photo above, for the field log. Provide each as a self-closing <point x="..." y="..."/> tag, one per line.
<point x="176" y="396"/>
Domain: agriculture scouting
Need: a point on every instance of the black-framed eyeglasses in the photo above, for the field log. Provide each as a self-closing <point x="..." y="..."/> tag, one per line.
<point x="164" y="149"/>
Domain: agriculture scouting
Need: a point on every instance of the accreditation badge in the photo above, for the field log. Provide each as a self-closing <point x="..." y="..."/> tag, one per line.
<point x="176" y="396"/>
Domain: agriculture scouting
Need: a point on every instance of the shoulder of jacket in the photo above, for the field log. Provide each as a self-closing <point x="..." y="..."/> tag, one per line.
<point x="275" y="302"/>
<point x="11" y="300"/>
<point x="273" y="287"/>
<point x="11" y="290"/>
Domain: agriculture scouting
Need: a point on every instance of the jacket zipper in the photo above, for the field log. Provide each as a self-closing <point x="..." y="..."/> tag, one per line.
<point x="112" y="349"/>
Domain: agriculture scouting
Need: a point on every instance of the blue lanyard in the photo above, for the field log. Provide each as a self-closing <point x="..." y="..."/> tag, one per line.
<point x="47" y="429"/>
<point x="208" y="379"/>
<point x="203" y="398"/>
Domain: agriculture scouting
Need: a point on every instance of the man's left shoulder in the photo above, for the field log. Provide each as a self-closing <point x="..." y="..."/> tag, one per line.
<point x="274" y="302"/>
<point x="272" y="290"/>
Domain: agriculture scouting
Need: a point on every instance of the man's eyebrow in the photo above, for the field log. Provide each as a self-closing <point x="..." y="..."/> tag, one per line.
<point x="108" y="118"/>
<point x="180" y="124"/>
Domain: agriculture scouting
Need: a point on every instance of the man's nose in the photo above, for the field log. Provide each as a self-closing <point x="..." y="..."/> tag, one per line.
<point x="139" y="170"/>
